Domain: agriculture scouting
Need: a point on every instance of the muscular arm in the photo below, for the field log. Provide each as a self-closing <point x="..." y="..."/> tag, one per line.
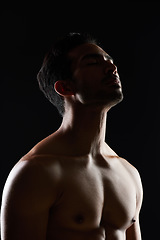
<point x="134" y="232"/>
<point x="27" y="197"/>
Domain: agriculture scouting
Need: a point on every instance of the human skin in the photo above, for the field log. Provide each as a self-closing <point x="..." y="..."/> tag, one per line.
<point x="72" y="185"/>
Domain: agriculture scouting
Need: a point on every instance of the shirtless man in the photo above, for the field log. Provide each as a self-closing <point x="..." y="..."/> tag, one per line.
<point x="72" y="185"/>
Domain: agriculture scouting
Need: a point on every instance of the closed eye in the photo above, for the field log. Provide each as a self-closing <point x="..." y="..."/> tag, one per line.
<point x="93" y="59"/>
<point x="93" y="62"/>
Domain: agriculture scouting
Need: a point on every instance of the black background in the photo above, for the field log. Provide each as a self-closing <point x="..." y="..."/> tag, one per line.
<point x="130" y="33"/>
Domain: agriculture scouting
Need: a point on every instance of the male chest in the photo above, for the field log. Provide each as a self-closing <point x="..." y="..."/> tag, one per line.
<point x="119" y="198"/>
<point x="96" y="196"/>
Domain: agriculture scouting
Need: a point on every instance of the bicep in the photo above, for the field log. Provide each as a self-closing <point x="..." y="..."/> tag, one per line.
<point x="134" y="232"/>
<point x="17" y="224"/>
<point x="25" y="205"/>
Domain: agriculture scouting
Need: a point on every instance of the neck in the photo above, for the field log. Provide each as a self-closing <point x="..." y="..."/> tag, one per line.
<point x="85" y="130"/>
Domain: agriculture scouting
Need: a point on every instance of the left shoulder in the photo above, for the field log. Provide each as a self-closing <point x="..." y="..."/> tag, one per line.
<point x="130" y="168"/>
<point x="136" y="178"/>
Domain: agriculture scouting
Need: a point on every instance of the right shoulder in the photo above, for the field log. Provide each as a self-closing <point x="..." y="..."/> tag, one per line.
<point x="38" y="174"/>
<point x="46" y="167"/>
<point x="31" y="189"/>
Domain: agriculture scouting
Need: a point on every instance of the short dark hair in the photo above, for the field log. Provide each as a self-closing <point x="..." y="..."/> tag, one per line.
<point x="56" y="66"/>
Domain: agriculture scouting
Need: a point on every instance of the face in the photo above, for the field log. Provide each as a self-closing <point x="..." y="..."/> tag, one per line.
<point x="94" y="75"/>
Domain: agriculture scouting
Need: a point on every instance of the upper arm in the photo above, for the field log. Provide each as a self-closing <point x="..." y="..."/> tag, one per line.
<point x="27" y="197"/>
<point x="134" y="232"/>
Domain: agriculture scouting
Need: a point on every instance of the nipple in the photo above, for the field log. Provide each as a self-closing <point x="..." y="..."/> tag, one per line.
<point x="79" y="219"/>
<point x="133" y="220"/>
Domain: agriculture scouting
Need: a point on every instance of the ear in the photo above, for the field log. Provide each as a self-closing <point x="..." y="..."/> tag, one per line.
<point x="63" y="88"/>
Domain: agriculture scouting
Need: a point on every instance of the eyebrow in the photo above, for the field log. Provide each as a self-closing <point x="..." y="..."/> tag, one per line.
<point x="96" y="55"/>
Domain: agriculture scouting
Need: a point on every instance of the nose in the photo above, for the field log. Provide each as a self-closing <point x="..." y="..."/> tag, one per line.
<point x="110" y="67"/>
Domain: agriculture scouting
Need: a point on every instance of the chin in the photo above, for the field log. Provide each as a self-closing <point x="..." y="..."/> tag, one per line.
<point x="103" y="99"/>
<point x="113" y="99"/>
<point x="117" y="100"/>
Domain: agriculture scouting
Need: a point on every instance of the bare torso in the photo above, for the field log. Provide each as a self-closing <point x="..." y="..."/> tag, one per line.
<point x="96" y="198"/>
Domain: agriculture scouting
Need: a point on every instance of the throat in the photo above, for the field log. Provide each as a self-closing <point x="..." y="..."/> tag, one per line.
<point x="89" y="132"/>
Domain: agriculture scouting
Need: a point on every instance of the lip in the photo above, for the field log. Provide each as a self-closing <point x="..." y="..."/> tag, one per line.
<point x="112" y="80"/>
